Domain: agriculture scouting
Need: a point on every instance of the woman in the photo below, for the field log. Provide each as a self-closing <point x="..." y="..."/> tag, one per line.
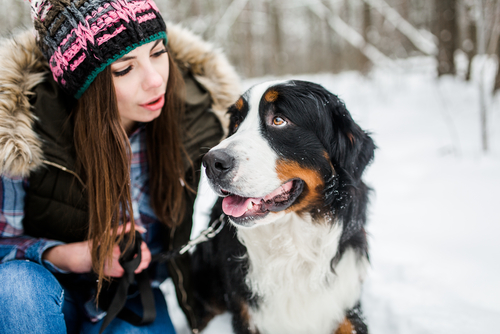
<point x="100" y="137"/>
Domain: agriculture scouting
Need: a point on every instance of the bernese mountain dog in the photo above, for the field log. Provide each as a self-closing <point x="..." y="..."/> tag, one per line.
<point x="294" y="255"/>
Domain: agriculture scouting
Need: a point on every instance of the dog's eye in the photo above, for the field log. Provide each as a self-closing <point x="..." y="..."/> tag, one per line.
<point x="235" y="121"/>
<point x="279" y="121"/>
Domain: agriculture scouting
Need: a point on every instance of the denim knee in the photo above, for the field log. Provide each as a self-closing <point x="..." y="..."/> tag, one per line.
<point x="30" y="299"/>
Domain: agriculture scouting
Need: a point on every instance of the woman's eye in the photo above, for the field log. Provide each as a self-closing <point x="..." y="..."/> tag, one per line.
<point x="279" y="121"/>
<point x="159" y="53"/>
<point x="123" y="72"/>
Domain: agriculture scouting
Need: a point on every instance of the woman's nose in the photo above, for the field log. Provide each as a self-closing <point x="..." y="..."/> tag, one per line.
<point x="152" y="78"/>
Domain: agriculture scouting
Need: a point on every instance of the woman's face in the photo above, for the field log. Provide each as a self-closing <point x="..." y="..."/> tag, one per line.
<point x="140" y="78"/>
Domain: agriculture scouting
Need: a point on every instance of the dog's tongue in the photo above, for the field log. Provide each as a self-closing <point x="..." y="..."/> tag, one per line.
<point x="237" y="206"/>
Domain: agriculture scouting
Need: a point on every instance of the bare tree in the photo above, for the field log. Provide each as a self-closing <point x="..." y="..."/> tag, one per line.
<point x="481" y="50"/>
<point x="422" y="43"/>
<point x="249" y="41"/>
<point x="494" y="46"/>
<point x="447" y="32"/>
<point x="367" y="25"/>
<point x="496" y="85"/>
<point x="349" y="34"/>
<point x="277" y="52"/>
<point x="469" y="44"/>
<point x="297" y="36"/>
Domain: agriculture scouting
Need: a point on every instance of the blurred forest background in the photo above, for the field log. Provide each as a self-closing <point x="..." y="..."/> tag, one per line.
<point x="275" y="37"/>
<point x="278" y="37"/>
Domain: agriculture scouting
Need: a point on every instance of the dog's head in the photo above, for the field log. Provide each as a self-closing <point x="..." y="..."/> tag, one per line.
<point x="292" y="146"/>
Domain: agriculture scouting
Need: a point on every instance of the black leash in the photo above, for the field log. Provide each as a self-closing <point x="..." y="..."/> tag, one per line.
<point x="130" y="263"/>
<point x="121" y="288"/>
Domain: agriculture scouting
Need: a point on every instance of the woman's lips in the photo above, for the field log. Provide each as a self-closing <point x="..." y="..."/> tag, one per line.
<point x="155" y="104"/>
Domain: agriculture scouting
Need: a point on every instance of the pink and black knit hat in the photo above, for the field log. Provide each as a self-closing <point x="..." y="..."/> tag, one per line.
<point x="80" y="38"/>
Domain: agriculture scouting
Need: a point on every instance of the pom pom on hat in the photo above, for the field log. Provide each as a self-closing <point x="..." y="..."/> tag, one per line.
<point x="80" y="38"/>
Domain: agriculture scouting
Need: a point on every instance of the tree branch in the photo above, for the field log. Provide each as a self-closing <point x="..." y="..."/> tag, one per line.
<point x="349" y="34"/>
<point x="227" y="20"/>
<point x="421" y="42"/>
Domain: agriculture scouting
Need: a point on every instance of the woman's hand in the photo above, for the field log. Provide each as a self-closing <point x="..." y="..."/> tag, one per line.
<point x="114" y="269"/>
<point x="75" y="257"/>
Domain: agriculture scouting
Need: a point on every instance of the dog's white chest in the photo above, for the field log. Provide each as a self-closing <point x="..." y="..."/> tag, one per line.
<point x="290" y="272"/>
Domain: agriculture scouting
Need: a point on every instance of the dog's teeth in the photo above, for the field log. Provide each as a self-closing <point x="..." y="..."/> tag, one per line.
<point x="250" y="205"/>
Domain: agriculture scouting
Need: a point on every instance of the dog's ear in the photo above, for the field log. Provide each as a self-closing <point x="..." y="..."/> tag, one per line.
<point x="352" y="148"/>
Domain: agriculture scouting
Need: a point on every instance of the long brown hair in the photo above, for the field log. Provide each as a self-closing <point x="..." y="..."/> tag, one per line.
<point x="103" y="160"/>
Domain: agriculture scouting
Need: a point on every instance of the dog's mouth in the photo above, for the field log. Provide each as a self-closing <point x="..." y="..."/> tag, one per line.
<point x="245" y="208"/>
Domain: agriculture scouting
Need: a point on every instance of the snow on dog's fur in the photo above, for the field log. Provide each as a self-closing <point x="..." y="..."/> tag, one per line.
<point x="295" y="255"/>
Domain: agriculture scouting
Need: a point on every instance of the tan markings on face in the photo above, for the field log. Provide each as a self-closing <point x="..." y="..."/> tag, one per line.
<point x="314" y="184"/>
<point x="239" y="104"/>
<point x="345" y="327"/>
<point x="271" y="96"/>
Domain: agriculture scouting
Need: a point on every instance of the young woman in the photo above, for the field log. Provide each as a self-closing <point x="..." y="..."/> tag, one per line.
<point x="100" y="136"/>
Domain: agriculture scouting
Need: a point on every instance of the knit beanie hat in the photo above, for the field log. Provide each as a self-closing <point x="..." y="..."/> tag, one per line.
<point x="80" y="38"/>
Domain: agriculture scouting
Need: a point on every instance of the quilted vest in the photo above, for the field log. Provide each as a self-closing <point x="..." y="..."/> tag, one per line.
<point x="55" y="204"/>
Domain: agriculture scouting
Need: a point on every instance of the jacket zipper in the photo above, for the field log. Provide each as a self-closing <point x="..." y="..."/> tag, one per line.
<point x="181" y="286"/>
<point x="53" y="164"/>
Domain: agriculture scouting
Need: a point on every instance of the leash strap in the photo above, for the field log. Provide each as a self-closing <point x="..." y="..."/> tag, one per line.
<point x="130" y="263"/>
<point x="116" y="307"/>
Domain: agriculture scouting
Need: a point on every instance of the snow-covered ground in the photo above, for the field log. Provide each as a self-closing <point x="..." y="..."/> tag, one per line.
<point x="434" y="228"/>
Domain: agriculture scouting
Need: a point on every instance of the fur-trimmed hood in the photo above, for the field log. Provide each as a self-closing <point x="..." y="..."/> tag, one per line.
<point x="23" y="67"/>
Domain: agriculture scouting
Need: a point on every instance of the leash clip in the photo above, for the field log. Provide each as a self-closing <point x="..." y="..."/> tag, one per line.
<point x="205" y="235"/>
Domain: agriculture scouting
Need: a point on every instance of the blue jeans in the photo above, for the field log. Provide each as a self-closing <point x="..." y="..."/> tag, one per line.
<point x="33" y="301"/>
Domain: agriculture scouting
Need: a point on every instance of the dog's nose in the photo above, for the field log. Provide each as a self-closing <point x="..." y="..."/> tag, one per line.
<point x="217" y="163"/>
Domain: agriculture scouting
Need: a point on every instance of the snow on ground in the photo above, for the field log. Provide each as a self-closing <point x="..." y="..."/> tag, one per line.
<point x="433" y="225"/>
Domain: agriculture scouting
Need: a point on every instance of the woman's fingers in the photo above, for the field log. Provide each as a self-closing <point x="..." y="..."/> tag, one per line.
<point x="145" y="258"/>
<point x="113" y="268"/>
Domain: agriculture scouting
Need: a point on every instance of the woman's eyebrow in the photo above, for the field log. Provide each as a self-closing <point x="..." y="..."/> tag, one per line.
<point x="125" y="58"/>
<point x="156" y="43"/>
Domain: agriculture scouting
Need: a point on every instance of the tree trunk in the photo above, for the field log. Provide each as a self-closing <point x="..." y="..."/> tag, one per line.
<point x="447" y="32"/>
<point x="249" y="45"/>
<point x="470" y="47"/>
<point x="496" y="87"/>
<point x="495" y="45"/>
<point x="481" y="50"/>
<point x="367" y="25"/>
<point x="277" y="55"/>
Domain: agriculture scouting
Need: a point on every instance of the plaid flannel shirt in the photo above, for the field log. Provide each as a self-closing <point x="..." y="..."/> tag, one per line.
<point x="15" y="245"/>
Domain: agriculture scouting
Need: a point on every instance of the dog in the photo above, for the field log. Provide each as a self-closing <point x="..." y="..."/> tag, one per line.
<point x="295" y="254"/>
